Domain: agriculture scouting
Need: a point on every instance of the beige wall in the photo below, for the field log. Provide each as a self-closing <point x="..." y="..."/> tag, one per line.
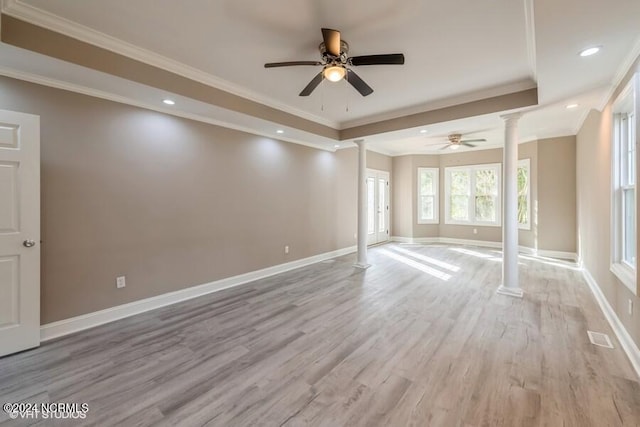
<point x="557" y="194"/>
<point x="594" y="210"/>
<point x="169" y="202"/>
<point x="379" y="161"/>
<point x="402" y="200"/>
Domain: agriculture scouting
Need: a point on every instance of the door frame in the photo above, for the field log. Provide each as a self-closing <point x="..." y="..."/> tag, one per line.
<point x="377" y="174"/>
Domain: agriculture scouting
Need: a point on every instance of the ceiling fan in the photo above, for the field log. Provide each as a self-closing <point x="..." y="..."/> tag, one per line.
<point x="455" y="141"/>
<point x="336" y="62"/>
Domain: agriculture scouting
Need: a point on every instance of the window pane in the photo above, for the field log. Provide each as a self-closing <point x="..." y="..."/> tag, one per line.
<point x="371" y="183"/>
<point x="381" y="204"/>
<point x="485" y="208"/>
<point x="523" y="210"/>
<point x="486" y="182"/>
<point x="426" y="183"/>
<point x="459" y="208"/>
<point x="629" y="226"/>
<point x="523" y="189"/>
<point x="460" y="182"/>
<point x="427" y="208"/>
<point x="631" y="152"/>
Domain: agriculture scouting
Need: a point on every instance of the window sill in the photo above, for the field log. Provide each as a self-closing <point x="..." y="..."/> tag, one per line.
<point x="626" y="275"/>
<point x="429" y="222"/>
<point x="473" y="224"/>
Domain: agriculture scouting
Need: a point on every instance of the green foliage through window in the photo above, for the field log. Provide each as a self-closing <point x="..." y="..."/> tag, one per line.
<point x="523" y="191"/>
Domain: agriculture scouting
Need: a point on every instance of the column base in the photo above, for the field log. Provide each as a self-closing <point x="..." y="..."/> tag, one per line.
<point x="361" y="266"/>
<point x="511" y="292"/>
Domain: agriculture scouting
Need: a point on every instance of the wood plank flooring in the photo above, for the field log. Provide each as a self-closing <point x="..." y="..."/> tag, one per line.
<point x="419" y="339"/>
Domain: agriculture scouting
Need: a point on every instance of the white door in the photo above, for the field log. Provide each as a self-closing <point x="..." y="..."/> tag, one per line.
<point x="377" y="206"/>
<point x="19" y="232"/>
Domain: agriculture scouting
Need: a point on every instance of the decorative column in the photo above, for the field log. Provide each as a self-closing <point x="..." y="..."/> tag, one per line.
<point x="362" y="204"/>
<point x="510" y="285"/>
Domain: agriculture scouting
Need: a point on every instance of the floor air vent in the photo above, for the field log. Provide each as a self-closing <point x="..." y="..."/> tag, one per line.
<point x="600" y="339"/>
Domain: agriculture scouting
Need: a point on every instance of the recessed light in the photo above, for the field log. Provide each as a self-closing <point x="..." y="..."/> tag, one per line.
<point x="590" y="51"/>
<point x="423" y="131"/>
<point x="169" y="101"/>
<point x="279" y="131"/>
<point x="571" y="106"/>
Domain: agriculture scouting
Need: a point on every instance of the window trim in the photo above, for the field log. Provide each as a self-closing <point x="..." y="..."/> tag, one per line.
<point x="436" y="206"/>
<point x="527" y="225"/>
<point x="472" y="194"/>
<point x="625" y="272"/>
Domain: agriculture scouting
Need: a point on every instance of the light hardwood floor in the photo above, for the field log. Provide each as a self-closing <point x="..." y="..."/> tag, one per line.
<point x="420" y="338"/>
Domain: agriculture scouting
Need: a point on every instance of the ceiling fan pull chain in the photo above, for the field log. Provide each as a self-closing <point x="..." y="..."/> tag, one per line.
<point x="322" y="94"/>
<point x="346" y="90"/>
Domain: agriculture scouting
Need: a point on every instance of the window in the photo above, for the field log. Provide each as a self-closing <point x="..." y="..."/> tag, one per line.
<point x="623" y="224"/>
<point x="371" y="203"/>
<point x="524" y="196"/>
<point x="428" y="208"/>
<point x="472" y="195"/>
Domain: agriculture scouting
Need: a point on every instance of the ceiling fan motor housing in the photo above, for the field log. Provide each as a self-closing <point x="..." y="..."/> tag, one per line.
<point x="330" y="59"/>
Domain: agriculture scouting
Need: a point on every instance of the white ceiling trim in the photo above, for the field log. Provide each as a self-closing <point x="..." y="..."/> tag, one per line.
<point x="530" y="31"/>
<point x="52" y="22"/>
<point x="623" y="69"/>
<point x="58" y="84"/>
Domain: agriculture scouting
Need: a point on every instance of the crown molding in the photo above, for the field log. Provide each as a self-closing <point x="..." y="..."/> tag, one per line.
<point x="47" y="20"/>
<point x="71" y="87"/>
<point x="622" y="71"/>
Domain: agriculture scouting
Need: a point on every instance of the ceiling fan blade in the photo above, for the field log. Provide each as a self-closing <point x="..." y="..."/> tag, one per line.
<point x="312" y="85"/>
<point x="446" y="146"/>
<point x="358" y="83"/>
<point x="388" y="59"/>
<point x="290" y="64"/>
<point x="467" y="144"/>
<point x="331" y="41"/>
<point x="474" y="140"/>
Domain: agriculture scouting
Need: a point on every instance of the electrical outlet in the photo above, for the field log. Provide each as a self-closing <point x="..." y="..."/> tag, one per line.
<point x="475" y="231"/>
<point x="286" y="249"/>
<point x="630" y="307"/>
<point x="120" y="282"/>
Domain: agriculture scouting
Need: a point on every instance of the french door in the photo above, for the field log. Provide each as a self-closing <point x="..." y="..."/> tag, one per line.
<point x="377" y="206"/>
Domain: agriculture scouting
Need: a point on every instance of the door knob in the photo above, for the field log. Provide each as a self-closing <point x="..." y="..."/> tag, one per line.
<point x="29" y="243"/>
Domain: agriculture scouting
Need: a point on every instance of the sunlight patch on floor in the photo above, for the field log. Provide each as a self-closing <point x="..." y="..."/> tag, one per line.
<point x="427" y="259"/>
<point x="418" y="266"/>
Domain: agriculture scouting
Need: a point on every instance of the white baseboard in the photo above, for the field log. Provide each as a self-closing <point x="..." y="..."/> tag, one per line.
<point x="90" y="320"/>
<point x="482" y="243"/>
<point x="416" y="240"/>
<point x="627" y="343"/>
<point x="487" y="244"/>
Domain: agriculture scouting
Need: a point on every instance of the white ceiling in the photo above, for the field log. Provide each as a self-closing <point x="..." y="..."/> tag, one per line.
<point x="454" y="50"/>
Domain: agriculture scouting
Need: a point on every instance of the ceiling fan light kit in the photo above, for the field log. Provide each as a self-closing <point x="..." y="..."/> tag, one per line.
<point x="334" y="73"/>
<point x="336" y="63"/>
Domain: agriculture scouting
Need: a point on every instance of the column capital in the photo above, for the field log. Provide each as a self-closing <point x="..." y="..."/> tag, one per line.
<point x="511" y="117"/>
<point x="359" y="142"/>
